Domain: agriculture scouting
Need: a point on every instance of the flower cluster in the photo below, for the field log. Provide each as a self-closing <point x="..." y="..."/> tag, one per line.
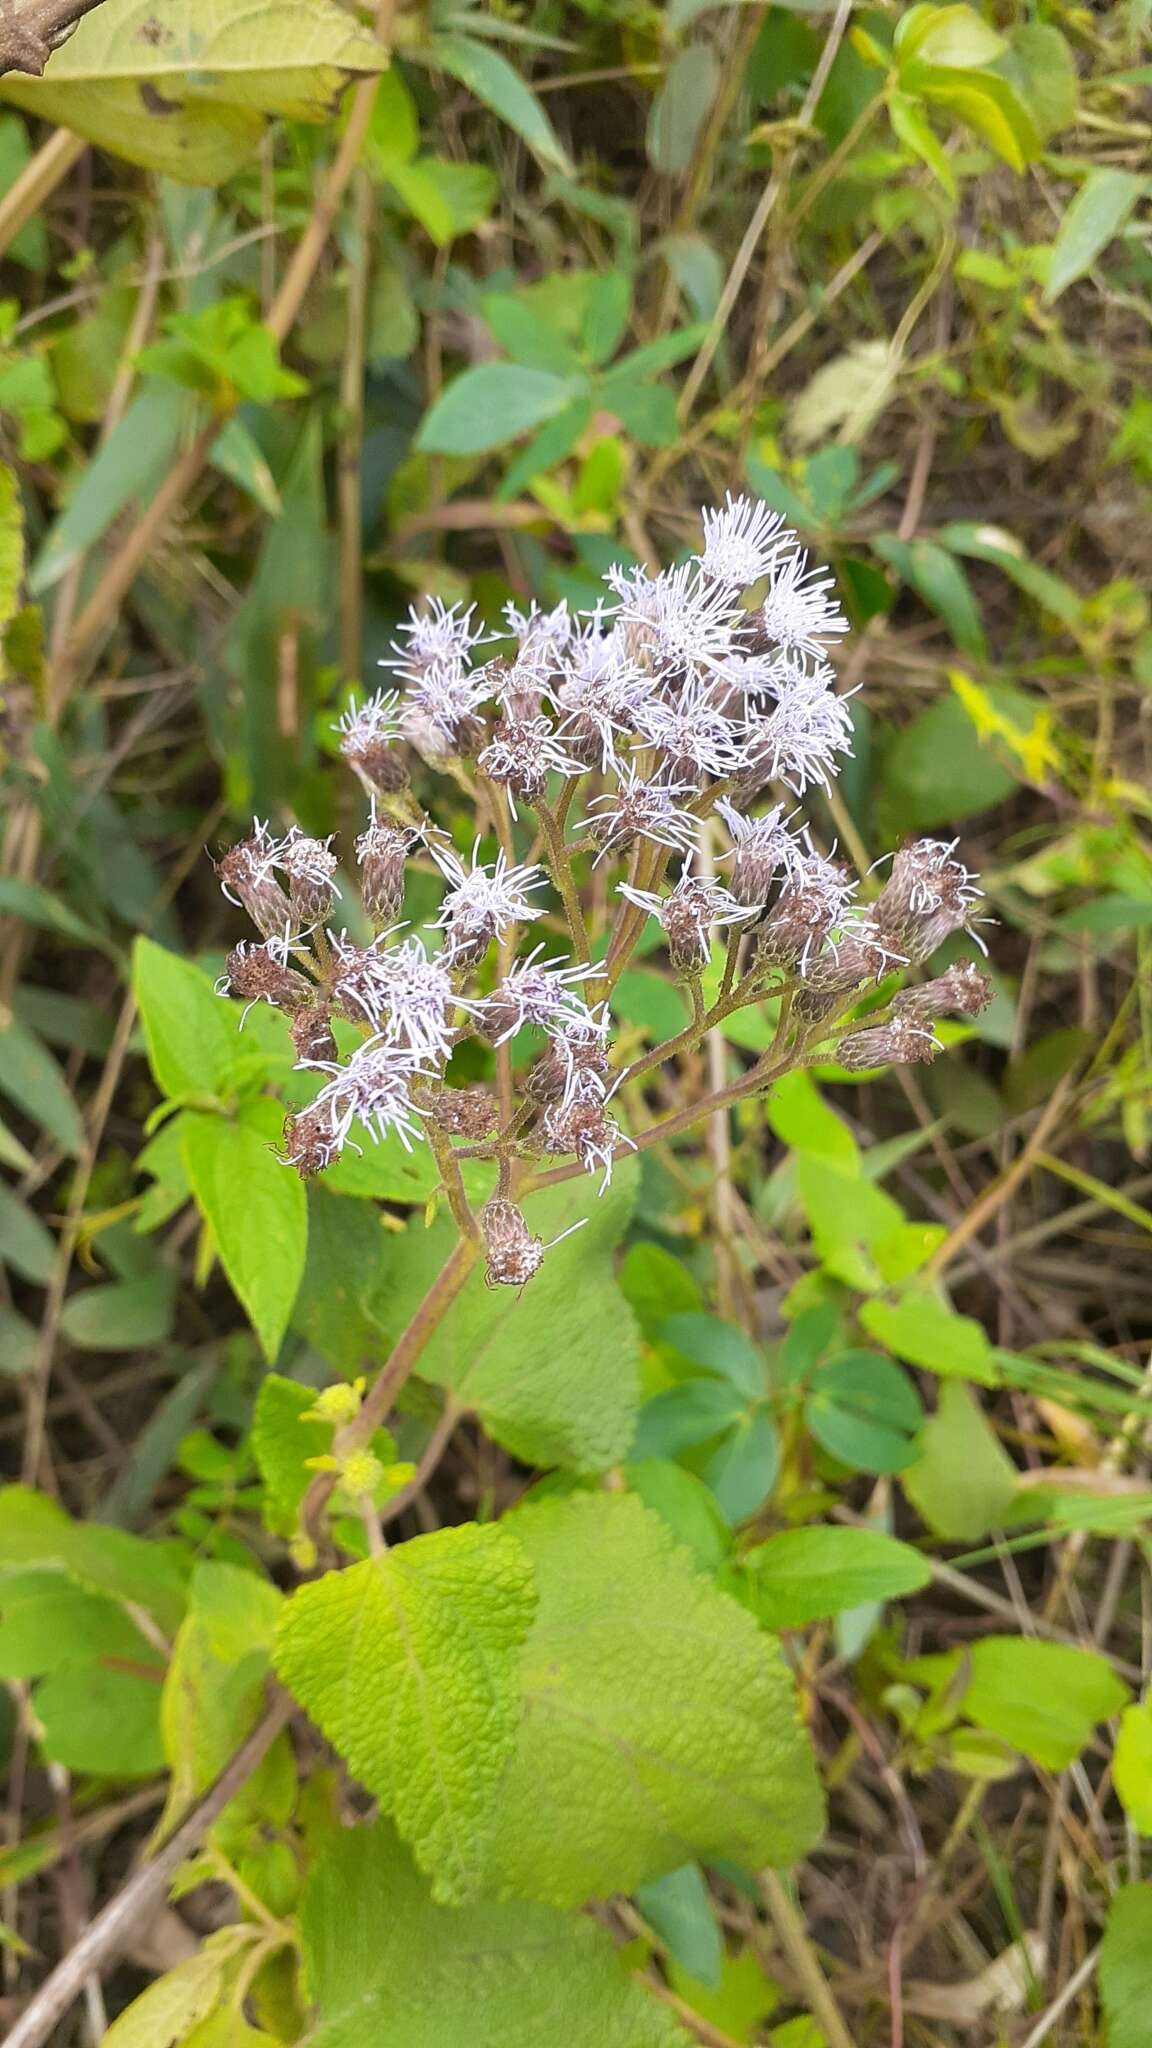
<point x="679" y="699"/>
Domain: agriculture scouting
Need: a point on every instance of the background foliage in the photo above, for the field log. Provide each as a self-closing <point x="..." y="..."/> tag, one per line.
<point x="288" y="339"/>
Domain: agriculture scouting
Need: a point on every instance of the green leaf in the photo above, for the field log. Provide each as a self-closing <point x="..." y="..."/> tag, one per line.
<point x="678" y="1909"/>
<point x="492" y="79"/>
<point x="805" y="1575"/>
<point x="865" y="1411"/>
<point x="448" y="199"/>
<point x="35" y="1531"/>
<point x="552" y="1374"/>
<point x="938" y="578"/>
<point x="30" y="1078"/>
<point x="164" y="2015"/>
<point x="214" y="1692"/>
<point x="385" y="1964"/>
<point x="281" y="1443"/>
<point x="985" y="101"/>
<point x="720" y="1348"/>
<point x="554" y="441"/>
<point x="25" y="1245"/>
<point x="257" y="1210"/>
<point x="525" y="334"/>
<point x="190" y="100"/>
<point x="1043" y="1698"/>
<point x="633" y="1754"/>
<point x="915" y="133"/>
<point x="394" y="131"/>
<point x="1131" y="1765"/>
<point x="1100" y="209"/>
<point x="337" y="1308"/>
<point x="408" y="1664"/>
<point x="741" y="1471"/>
<point x="124" y="1316"/>
<point x="648" y="361"/>
<point x="48" y="1623"/>
<point x="491" y="405"/>
<point x="126" y="469"/>
<point x="800" y="1117"/>
<point x="937" y="772"/>
<point x="922" y="1330"/>
<point x="656" y="1285"/>
<point x="962" y="1483"/>
<point x="681" y="108"/>
<point x="689" y="1414"/>
<point x="646" y="411"/>
<point x="189" y="1032"/>
<point x="1125" y="1967"/>
<point x="685" y="1504"/>
<point x="993" y="544"/>
<point x="949" y="36"/>
<point x="103" y="1721"/>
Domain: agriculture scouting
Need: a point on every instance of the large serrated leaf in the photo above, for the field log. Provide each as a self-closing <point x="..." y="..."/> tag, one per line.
<point x="408" y="1662"/>
<point x="552" y="1372"/>
<point x="660" y="1723"/>
<point x="384" y="1964"/>
<point x="185" y="88"/>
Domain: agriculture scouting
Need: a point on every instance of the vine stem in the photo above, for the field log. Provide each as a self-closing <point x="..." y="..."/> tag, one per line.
<point x="103" y="1937"/>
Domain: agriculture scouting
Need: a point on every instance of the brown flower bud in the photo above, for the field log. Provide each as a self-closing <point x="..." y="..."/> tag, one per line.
<point x="513" y="1254"/>
<point x="896" y="1044"/>
<point x="961" y="991"/>
<point x="381" y="852"/>
<point x="471" y="1113"/>
<point x="809" y="906"/>
<point x="379" y="764"/>
<point x="309" y="1145"/>
<point x="927" y="896"/>
<point x="310" y="866"/>
<point x="246" y="878"/>
<point x="857" y="957"/>
<point x="312" y="1033"/>
<point x="255" y="975"/>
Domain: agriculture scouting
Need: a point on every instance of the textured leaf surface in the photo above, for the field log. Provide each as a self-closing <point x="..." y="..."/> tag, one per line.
<point x="408" y="1662"/>
<point x="661" y="1726"/>
<point x="184" y="88"/>
<point x="256" y="1207"/>
<point x="384" y="1964"/>
<point x="552" y="1372"/>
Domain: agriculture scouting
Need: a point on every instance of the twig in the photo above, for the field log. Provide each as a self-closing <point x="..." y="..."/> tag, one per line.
<point x="29" y="193"/>
<point x="1060" y="2004"/>
<point x="790" y="1928"/>
<point x="349" y="483"/>
<point x="103" y="1938"/>
<point x="29" y="34"/>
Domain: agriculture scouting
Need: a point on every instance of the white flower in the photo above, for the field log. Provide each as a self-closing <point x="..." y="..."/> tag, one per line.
<point x="761" y="848"/>
<point x="448" y="696"/>
<point x="522" y="753"/>
<point x="535" y="992"/>
<point x="542" y="636"/>
<point x="642" y="810"/>
<point x="694" y="736"/>
<point x="579" y="1046"/>
<point x="675" y="622"/>
<point x="800" y="740"/>
<point x="371" y="1090"/>
<point x="600" y="694"/>
<point x="688" y="914"/>
<point x="418" y="1000"/>
<point x="375" y="721"/>
<point x="742" y="541"/>
<point x="444" y="635"/>
<point x="798" y="611"/>
<point x="483" y="901"/>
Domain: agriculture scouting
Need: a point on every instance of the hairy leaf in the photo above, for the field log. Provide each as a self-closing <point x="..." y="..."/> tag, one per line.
<point x="408" y="1662"/>
<point x="661" y="1725"/>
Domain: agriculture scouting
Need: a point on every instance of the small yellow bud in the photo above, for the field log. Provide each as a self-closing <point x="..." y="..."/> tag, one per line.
<point x="324" y="1463"/>
<point x="337" y="1404"/>
<point x="398" y="1475"/>
<point x="303" y="1553"/>
<point x="361" y="1473"/>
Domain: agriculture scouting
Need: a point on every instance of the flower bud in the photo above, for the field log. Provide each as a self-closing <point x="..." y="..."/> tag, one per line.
<point x="337" y="1404"/>
<point x="309" y="1144"/>
<point x="246" y="878"/>
<point x="808" y="908"/>
<point x="361" y="1473"/>
<point x="896" y="1044"/>
<point x="255" y="975"/>
<point x="312" y="1038"/>
<point x="381" y="852"/>
<point x="310" y="866"/>
<point x="961" y="991"/>
<point x="471" y="1113"/>
<point x="927" y="896"/>
<point x="513" y="1254"/>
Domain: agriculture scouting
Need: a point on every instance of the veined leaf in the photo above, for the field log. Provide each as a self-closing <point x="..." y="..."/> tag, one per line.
<point x="492" y="79"/>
